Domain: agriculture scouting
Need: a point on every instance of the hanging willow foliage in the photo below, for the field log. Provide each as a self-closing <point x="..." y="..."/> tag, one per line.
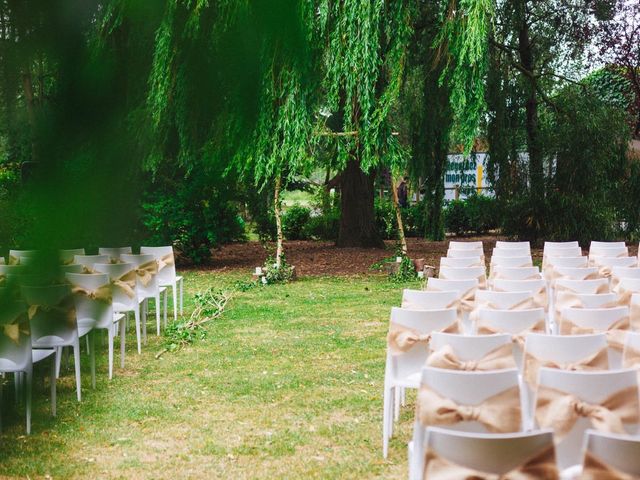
<point x="363" y="66"/>
<point x="464" y="39"/>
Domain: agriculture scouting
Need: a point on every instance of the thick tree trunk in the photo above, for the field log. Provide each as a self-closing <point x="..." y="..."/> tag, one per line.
<point x="357" y="222"/>
<point x="396" y="206"/>
<point x="277" y="212"/>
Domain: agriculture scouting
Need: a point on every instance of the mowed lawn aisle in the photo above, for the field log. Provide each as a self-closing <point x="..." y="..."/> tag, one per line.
<point x="287" y="384"/>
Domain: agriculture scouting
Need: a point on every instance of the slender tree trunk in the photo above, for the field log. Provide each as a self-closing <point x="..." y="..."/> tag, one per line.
<point x="357" y="221"/>
<point x="278" y="215"/>
<point x="396" y="206"/>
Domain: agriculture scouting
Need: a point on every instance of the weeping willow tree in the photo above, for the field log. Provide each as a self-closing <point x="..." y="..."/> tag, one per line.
<point x="363" y="62"/>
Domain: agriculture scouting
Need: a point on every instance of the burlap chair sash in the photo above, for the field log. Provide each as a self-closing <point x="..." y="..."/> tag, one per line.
<point x="616" y="332"/>
<point x="497" y="359"/>
<point x="14" y="328"/>
<point x="401" y="339"/>
<point x="532" y="364"/>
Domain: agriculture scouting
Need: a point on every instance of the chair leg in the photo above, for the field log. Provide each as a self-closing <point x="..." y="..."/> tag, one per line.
<point x="144" y="308"/>
<point x="52" y="381"/>
<point x="137" y="315"/>
<point x="29" y="384"/>
<point x="174" y="290"/>
<point x="157" y="299"/>
<point x="76" y="358"/>
<point x="17" y="381"/>
<point x="181" y="295"/>
<point x="87" y="342"/>
<point x="92" y="354"/>
<point x="122" y="341"/>
<point x="58" y="360"/>
<point x="110" y="334"/>
<point x="1" y="378"/>
<point x="386" y="413"/>
<point x="396" y="404"/>
<point x="165" y="308"/>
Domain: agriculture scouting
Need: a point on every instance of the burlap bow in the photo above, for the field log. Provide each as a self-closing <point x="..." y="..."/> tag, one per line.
<point x="595" y="469"/>
<point x="165" y="261"/>
<point x="567" y="298"/>
<point x="127" y="283"/>
<point x="541" y="466"/>
<point x="526" y="304"/>
<point x="65" y="308"/>
<point x="15" y="327"/>
<point x="616" y="332"/>
<point x="497" y="359"/>
<point x="102" y="294"/>
<point x="86" y="269"/>
<point x="401" y="339"/>
<point x="14" y="260"/>
<point x="540" y="298"/>
<point x="466" y="301"/>
<point x="630" y="357"/>
<point x="537" y="327"/>
<point x="561" y="410"/>
<point x="500" y="413"/>
<point x="146" y="272"/>
<point x="532" y="364"/>
<point x="3" y="279"/>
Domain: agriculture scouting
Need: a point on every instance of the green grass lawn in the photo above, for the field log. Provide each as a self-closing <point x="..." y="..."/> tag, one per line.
<point x="288" y="384"/>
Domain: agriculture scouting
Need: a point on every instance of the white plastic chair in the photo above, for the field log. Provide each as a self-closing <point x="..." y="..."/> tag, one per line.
<point x="167" y="276"/>
<point x="516" y="273"/>
<point x="114" y="254"/>
<point x="514" y="322"/>
<point x="17" y="355"/>
<point x="619" y="452"/>
<point x="492" y="454"/>
<point x="608" y="248"/>
<point x="88" y="261"/>
<point x="591" y="388"/>
<point x="565" y="252"/>
<point x="492" y="300"/>
<point x="466" y="294"/>
<point x="461" y="262"/>
<point x="123" y="302"/>
<point x="594" y="320"/>
<point x="151" y="290"/>
<point x="548" y="246"/>
<point x="453" y="245"/>
<point x="511" y="262"/>
<point x="627" y="285"/>
<point x="404" y="370"/>
<point x="502" y="245"/>
<point x="537" y="287"/>
<point x="97" y="313"/>
<point x="575" y="262"/>
<point x="471" y="253"/>
<point x="598" y="285"/>
<point x="511" y="252"/>
<point x="469" y="273"/>
<point x="598" y="245"/>
<point x="54" y="324"/>
<point x="66" y="256"/>
<point x="577" y="273"/>
<point x="598" y="256"/>
<point x="15" y="256"/>
<point x="467" y="349"/>
<point x="425" y="300"/>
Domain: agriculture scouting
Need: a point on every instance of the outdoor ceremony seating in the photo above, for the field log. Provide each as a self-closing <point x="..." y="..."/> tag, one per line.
<point x="511" y="252"/>
<point x="147" y="286"/>
<point x="470" y="253"/>
<point x="501" y="244"/>
<point x="537" y="287"/>
<point x="468" y="273"/>
<point x="470" y="352"/>
<point x="114" y="254"/>
<point x="88" y="261"/>
<point x="461" y="262"/>
<point x="510" y="262"/>
<point x="429" y="300"/>
<point x="67" y="256"/>
<point x="167" y="276"/>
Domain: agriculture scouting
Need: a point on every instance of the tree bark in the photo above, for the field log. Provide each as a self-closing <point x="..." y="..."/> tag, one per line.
<point x="277" y="212"/>
<point x="396" y="206"/>
<point x="357" y="221"/>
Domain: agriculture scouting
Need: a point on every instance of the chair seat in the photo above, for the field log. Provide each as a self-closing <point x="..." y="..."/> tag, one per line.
<point x="40" y="354"/>
<point x="84" y="329"/>
<point x="117" y="317"/>
<point x="7" y="366"/>
<point x="121" y="307"/>
<point x="50" y="341"/>
<point x="410" y="381"/>
<point x="86" y="322"/>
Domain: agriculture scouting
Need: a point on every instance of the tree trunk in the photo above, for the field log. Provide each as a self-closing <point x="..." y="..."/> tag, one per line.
<point x="277" y="212"/>
<point x="396" y="206"/>
<point x="357" y="221"/>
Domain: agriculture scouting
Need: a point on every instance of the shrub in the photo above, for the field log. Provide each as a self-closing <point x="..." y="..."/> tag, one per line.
<point x="477" y="214"/>
<point x="386" y="218"/>
<point x="324" y="226"/>
<point x="456" y="219"/>
<point x="295" y="221"/>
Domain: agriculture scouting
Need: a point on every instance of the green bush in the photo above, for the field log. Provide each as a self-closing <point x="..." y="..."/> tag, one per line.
<point x="295" y="221"/>
<point x="476" y="214"/>
<point x="386" y="218"/>
<point x="456" y="218"/>
<point x="324" y="226"/>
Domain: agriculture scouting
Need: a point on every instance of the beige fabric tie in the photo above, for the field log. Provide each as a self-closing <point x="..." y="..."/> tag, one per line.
<point x="541" y="466"/>
<point x="560" y="411"/>
<point x="630" y="357"/>
<point x="165" y="261"/>
<point x="401" y="339"/>
<point x="19" y="325"/>
<point x="87" y="270"/>
<point x="65" y="308"/>
<point x="539" y="326"/>
<point x="466" y="301"/>
<point x="482" y="280"/>
<point x="14" y="260"/>
<point x="532" y="364"/>
<point x="102" y="294"/>
<point x="595" y="469"/>
<point x="540" y="299"/>
<point x="497" y="359"/>
<point x="146" y="272"/>
<point x="127" y="283"/>
<point x="500" y="413"/>
<point x="567" y="298"/>
<point x="616" y="332"/>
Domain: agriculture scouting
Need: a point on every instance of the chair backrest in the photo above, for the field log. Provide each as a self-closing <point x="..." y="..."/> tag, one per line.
<point x="595" y="244"/>
<point x="453" y="245"/>
<point x="15" y="337"/>
<point x="613" y="262"/>
<point x="468" y="347"/>
<point x="596" y="300"/>
<point x="495" y="454"/>
<point x="590" y="387"/>
<point x="166" y="270"/>
<point x="476" y="253"/>
<point x="516" y="273"/>
<point x="575" y="262"/>
<point x="534" y="286"/>
<point x="114" y="253"/>
<point x="511" y="321"/>
<point x="576" y="273"/>
<point x="501" y="300"/>
<point x="423" y="322"/>
<point x="90" y="260"/>
<point x="67" y="256"/>
<point x="95" y="310"/>
<point x="625" y="272"/>
<point x="548" y="246"/>
<point x="621" y="452"/>
<point x="442" y="285"/>
<point x="470" y="388"/>
<point x="461" y="262"/>
<point x="13" y="270"/>
<point x="518" y="245"/>
<point x="511" y="252"/>
<point x="54" y="321"/>
<point x="607" y="248"/>
<point x="629" y="284"/>
<point x="116" y="271"/>
<point x="598" y="285"/>
<point x="468" y="273"/>
<point x="511" y="262"/>
<point x="425" y="300"/>
<point x="611" y="252"/>
<point x="151" y="287"/>
<point x="16" y="255"/>
<point x="559" y="252"/>
<point x="598" y="319"/>
<point x="70" y="268"/>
